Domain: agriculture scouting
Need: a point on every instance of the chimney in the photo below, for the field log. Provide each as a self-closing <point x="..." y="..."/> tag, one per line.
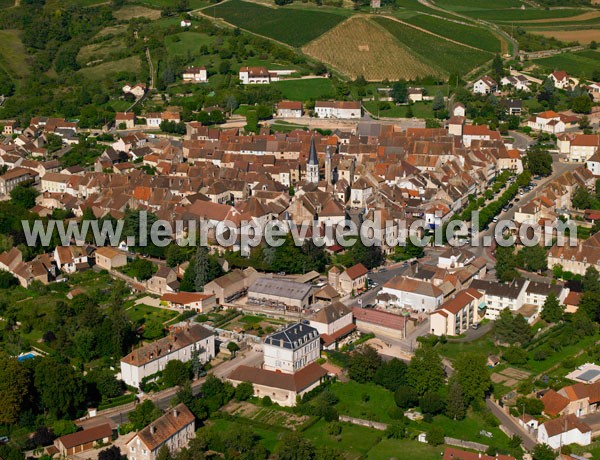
<point x="152" y="429"/>
<point x="175" y="413"/>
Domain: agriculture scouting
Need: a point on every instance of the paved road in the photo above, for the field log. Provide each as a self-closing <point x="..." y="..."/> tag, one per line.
<point x="522" y="141"/>
<point x="163" y="399"/>
<point x="509" y="423"/>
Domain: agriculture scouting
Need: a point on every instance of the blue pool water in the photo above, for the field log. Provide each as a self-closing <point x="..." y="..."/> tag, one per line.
<point x="26" y="357"/>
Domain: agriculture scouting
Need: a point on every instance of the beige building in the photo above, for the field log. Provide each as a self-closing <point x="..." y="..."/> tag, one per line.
<point x="80" y="441"/>
<point x="174" y="429"/>
<point x="382" y="323"/>
<point x="110" y="258"/>
<point x="457" y="314"/>
<point x="333" y="322"/>
<point x="202" y="303"/>
<point x="232" y="285"/>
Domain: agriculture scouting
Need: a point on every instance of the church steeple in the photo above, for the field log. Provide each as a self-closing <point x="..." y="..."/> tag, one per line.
<point x="312" y="167"/>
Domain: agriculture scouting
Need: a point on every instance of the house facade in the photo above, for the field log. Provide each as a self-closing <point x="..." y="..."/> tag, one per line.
<point x="291" y="349"/>
<point x="338" y="109"/>
<point x="456" y="315"/>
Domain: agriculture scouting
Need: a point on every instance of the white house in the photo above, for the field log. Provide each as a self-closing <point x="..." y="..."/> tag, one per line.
<point x="548" y="122"/>
<point x="196" y="301"/>
<point x="292" y="348"/>
<point x="594" y="91"/>
<point x="333" y="322"/>
<point x="174" y="429"/>
<point x="458" y="110"/>
<point x="560" y="78"/>
<point x="593" y="163"/>
<point x="564" y="430"/>
<point x="485" y="85"/>
<point x="70" y="258"/>
<point x="519" y="82"/>
<point x="153" y="119"/>
<point x="338" y="109"/>
<point x="413" y="294"/>
<point x="499" y="296"/>
<point x="195" y="75"/>
<point x="256" y="76"/>
<point x="583" y="146"/>
<point x="185" y="23"/>
<point x="415" y="94"/>
<point x="137" y="90"/>
<point x="180" y="344"/>
<point x="289" y="109"/>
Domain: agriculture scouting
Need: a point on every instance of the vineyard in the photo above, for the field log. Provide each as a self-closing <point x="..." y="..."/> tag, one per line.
<point x="581" y="64"/>
<point x="361" y="47"/>
<point x="446" y="56"/>
<point x="470" y="35"/>
<point x="293" y="26"/>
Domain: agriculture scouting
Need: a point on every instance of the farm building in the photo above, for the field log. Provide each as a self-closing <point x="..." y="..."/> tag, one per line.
<point x="338" y="109"/>
<point x="280" y="293"/>
<point x="289" y="109"/>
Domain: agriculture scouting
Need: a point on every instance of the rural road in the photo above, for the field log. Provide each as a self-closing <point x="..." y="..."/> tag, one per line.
<point x="509" y="423"/>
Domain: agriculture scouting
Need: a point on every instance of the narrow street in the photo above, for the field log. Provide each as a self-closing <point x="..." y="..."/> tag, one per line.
<point x="513" y="427"/>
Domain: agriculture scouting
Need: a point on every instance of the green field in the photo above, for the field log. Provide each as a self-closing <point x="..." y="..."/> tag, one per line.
<point x="580" y="64"/>
<point x="13" y="54"/>
<point x="142" y="313"/>
<point x="194" y="4"/>
<point x="186" y="42"/>
<point x="516" y="14"/>
<point x="466" y="5"/>
<point x="302" y="90"/>
<point x="6" y="3"/>
<point x="420" y="110"/>
<point x="130" y="64"/>
<point x="366" y="401"/>
<point x="444" y="55"/>
<point x="470" y="35"/>
<point x="296" y="27"/>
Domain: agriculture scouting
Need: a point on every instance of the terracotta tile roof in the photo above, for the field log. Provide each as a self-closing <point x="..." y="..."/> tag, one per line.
<point x="554" y="403"/>
<point x="329" y="339"/>
<point x="456" y="454"/>
<point x="380" y="318"/>
<point x="297" y="382"/>
<point x="185" y="297"/>
<point x="86" y="436"/>
<point x="290" y="105"/>
<point x="356" y="271"/>
<point x="565" y="424"/>
<point x="166" y="426"/>
<point x="573" y="298"/>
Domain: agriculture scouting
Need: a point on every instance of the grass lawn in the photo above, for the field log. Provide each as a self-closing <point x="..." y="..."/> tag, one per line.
<point x="268" y="438"/>
<point x="130" y="64"/>
<point x="284" y="127"/>
<point x="366" y="401"/>
<point x="355" y="441"/>
<point x="420" y="110"/>
<point x="100" y="51"/>
<point x="287" y="25"/>
<point x="446" y="56"/>
<point x="538" y="367"/>
<point x="13" y="54"/>
<point x="461" y="5"/>
<point x="516" y="14"/>
<point x="453" y="350"/>
<point x="308" y="88"/>
<point x="186" y="42"/>
<point x="577" y="64"/>
<point x="143" y="313"/>
<point x="408" y="449"/>
<point x="194" y="4"/>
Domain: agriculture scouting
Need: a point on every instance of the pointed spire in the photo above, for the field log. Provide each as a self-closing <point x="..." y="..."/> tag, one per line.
<point x="313" y="159"/>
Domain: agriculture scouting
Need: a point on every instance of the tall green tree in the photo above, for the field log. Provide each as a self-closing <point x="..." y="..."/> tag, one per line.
<point x="470" y="371"/>
<point x="295" y="447"/>
<point x="15" y="393"/>
<point x="426" y="371"/>
<point x="144" y="414"/>
<point x="61" y="388"/>
<point x="552" y="311"/>
<point x="364" y="364"/>
<point x="456" y="407"/>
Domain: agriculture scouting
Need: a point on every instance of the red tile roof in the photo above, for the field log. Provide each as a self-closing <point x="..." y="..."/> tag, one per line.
<point x="554" y="403"/>
<point x="356" y="271"/>
<point x="86" y="436"/>
<point x="380" y="318"/>
<point x="297" y="382"/>
<point x="456" y="454"/>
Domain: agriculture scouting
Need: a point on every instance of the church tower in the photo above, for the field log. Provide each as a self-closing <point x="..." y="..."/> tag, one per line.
<point x="312" y="167"/>
<point x="328" y="167"/>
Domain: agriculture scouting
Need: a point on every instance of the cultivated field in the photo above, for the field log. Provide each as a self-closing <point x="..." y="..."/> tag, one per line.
<point x="13" y="54"/>
<point x="465" y="5"/>
<point x="307" y="88"/>
<point x="361" y="47"/>
<point x="583" y="36"/>
<point x="470" y="35"/>
<point x="135" y="11"/>
<point x="130" y="64"/>
<point x="446" y="56"/>
<point x="580" y="17"/>
<point x="528" y="14"/>
<point x="293" y="26"/>
<point x="186" y="42"/>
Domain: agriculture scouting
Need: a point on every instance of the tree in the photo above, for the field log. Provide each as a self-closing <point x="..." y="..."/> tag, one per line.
<point x="426" y="371"/>
<point x="435" y="435"/>
<point x="364" y="364"/>
<point x="176" y="373"/>
<point x="438" y="101"/>
<point x="498" y="67"/>
<point x="244" y="391"/>
<point x="24" y="196"/>
<point x="470" y="371"/>
<point x="431" y="403"/>
<point x="15" y="381"/>
<point x="539" y="162"/>
<point x="506" y="264"/>
<point x="456" y="408"/>
<point x="201" y="263"/>
<point x="512" y="329"/>
<point x="7" y="280"/>
<point x="233" y="348"/>
<point x="112" y="453"/>
<point x="295" y="447"/>
<point x="399" y="92"/>
<point x="531" y="406"/>
<point x="406" y="397"/>
<point x="544" y="452"/>
<point x="60" y="386"/>
<point x="391" y="374"/>
<point x="144" y="414"/>
<point x="533" y="258"/>
<point x="552" y="310"/>
<point x="515" y="355"/>
<point x="164" y="453"/>
<point x="582" y="199"/>
<point x="581" y="104"/>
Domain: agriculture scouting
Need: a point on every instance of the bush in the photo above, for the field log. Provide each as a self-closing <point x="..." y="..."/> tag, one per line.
<point x="267" y="401"/>
<point x="406" y="397"/>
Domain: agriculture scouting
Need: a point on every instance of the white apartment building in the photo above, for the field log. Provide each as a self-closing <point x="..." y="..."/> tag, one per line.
<point x="255" y="76"/>
<point x="179" y="344"/>
<point x="413" y="294"/>
<point x="457" y="314"/>
<point x="583" y="147"/>
<point x="485" y="85"/>
<point x="291" y="349"/>
<point x="499" y="296"/>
